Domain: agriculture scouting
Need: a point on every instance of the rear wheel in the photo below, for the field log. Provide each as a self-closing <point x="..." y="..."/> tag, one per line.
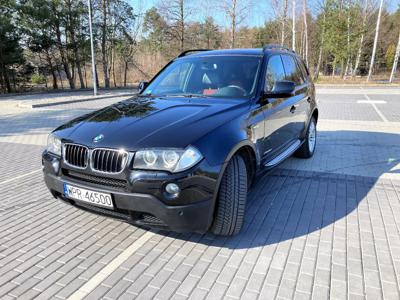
<point x="307" y="149"/>
<point x="231" y="202"/>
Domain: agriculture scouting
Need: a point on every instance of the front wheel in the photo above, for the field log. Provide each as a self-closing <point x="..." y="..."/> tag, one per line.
<point x="232" y="196"/>
<point x="308" y="148"/>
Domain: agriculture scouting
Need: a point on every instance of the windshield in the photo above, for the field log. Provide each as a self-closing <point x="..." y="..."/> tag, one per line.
<point x="208" y="76"/>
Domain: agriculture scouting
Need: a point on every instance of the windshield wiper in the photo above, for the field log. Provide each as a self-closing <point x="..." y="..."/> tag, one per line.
<point x="186" y="95"/>
<point x="146" y="95"/>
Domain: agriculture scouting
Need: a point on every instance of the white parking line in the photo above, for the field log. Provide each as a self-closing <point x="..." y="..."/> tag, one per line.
<point x="376" y="109"/>
<point x="19" y="177"/>
<point x="371" y="101"/>
<point x="93" y="282"/>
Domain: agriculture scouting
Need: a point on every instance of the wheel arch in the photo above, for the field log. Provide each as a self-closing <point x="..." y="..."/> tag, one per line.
<point x="247" y="150"/>
<point x="315" y="115"/>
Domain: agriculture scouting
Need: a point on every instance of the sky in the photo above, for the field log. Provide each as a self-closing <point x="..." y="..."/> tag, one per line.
<point x="259" y="12"/>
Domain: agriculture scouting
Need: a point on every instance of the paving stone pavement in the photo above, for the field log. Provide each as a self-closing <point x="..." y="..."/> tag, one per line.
<point x="325" y="228"/>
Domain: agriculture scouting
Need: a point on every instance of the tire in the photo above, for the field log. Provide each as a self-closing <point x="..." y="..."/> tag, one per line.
<point x="232" y="196"/>
<point x="310" y="141"/>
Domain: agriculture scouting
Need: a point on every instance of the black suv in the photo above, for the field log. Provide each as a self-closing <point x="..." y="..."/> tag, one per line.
<point x="182" y="154"/>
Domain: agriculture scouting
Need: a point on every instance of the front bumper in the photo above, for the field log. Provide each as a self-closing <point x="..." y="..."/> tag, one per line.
<point x="143" y="200"/>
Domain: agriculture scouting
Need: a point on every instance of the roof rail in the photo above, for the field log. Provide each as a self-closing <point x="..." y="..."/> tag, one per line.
<point x="187" y="52"/>
<point x="277" y="47"/>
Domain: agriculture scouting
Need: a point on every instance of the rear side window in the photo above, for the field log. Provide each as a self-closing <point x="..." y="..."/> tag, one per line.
<point x="275" y="72"/>
<point x="292" y="70"/>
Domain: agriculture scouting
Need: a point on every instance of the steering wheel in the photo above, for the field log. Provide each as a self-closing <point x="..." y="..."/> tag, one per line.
<point x="238" y="88"/>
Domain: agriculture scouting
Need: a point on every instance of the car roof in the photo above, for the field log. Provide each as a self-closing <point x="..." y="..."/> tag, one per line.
<point x="241" y="51"/>
<point x="250" y="51"/>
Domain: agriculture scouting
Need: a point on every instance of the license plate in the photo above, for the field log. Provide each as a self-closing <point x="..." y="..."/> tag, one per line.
<point x="91" y="197"/>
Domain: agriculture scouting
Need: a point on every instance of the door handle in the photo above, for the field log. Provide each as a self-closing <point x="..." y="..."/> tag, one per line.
<point x="293" y="109"/>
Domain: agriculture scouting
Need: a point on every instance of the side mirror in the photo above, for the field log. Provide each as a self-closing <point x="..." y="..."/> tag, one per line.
<point x="142" y="86"/>
<point x="281" y="89"/>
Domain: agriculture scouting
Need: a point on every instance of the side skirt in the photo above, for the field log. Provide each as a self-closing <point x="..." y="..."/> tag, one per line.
<point x="285" y="154"/>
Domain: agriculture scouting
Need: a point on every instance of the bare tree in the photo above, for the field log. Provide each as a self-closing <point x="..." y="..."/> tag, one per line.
<point x="281" y="14"/>
<point x="348" y="54"/>
<point x="396" y="60"/>
<point x="305" y="31"/>
<point x="294" y="25"/>
<point x="176" y="12"/>
<point x="378" y="23"/>
<point x="284" y="20"/>
<point x="236" y="11"/>
<point x="321" y="47"/>
<point x="359" y="52"/>
<point x="104" y="58"/>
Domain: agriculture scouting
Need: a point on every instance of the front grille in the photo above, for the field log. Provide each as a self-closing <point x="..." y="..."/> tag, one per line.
<point x="108" y="160"/>
<point x="103" y="181"/>
<point x="76" y="155"/>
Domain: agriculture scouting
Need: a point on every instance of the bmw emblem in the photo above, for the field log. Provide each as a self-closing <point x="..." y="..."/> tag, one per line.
<point x="98" y="138"/>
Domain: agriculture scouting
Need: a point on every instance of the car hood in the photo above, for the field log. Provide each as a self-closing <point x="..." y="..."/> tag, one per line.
<point x="144" y="122"/>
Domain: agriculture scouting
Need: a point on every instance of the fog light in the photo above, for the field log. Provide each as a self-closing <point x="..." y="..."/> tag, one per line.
<point x="172" y="189"/>
<point x="56" y="166"/>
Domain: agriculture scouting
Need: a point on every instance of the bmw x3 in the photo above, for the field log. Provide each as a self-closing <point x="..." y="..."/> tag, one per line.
<point x="182" y="153"/>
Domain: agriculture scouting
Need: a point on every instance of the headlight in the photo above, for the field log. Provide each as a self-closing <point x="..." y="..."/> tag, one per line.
<point x="54" y="144"/>
<point x="172" y="160"/>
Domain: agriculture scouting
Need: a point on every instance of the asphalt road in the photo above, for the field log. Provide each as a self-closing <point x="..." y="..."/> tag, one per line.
<point x="328" y="227"/>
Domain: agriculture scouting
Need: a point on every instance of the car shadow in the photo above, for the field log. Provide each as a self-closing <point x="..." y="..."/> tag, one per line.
<point x="302" y="197"/>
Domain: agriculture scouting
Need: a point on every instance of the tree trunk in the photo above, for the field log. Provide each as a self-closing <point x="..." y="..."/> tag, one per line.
<point x="77" y="63"/>
<point x="103" y="46"/>
<point x="14" y="80"/>
<point x="341" y="68"/>
<point x="85" y="73"/>
<point x="62" y="53"/>
<point x="284" y="17"/>
<point x="348" y="54"/>
<point x="125" y="72"/>
<point x="113" y="67"/>
<point x="64" y="61"/>
<point x="396" y="60"/>
<point x="233" y="24"/>
<point x="359" y="52"/>
<point x="294" y="25"/>
<point x="70" y="32"/>
<point x="2" y="82"/>
<point x="6" y="79"/>
<point x="97" y="76"/>
<point x="305" y="31"/>
<point x="182" y="24"/>
<point x="60" y="77"/>
<point x="316" y="73"/>
<point x="53" y="72"/>
<point x="358" y="55"/>
<point x="78" y="67"/>
<point x="378" y="23"/>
